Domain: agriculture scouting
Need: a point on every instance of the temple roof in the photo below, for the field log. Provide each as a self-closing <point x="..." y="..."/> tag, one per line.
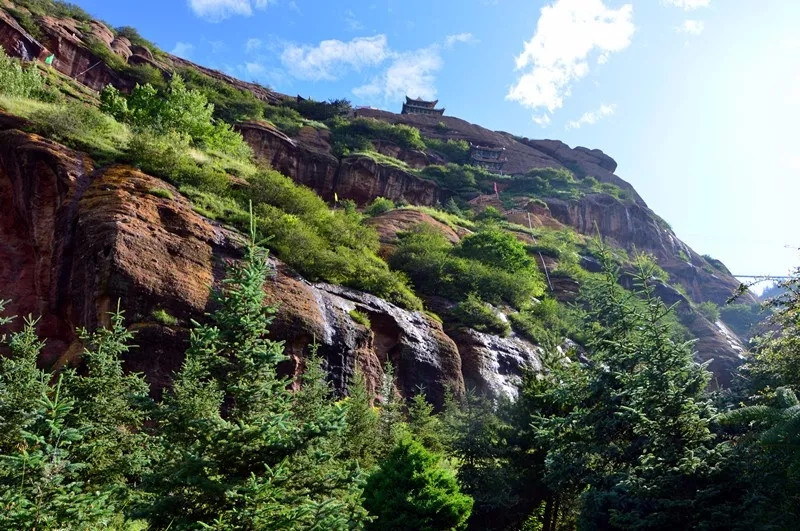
<point x="421" y="103"/>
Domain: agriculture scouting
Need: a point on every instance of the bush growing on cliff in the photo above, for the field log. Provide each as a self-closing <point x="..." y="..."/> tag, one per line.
<point x="55" y="8"/>
<point x="560" y="183"/>
<point x="455" y="151"/>
<point x="177" y="109"/>
<point x="230" y="104"/>
<point x="82" y="127"/>
<point x="379" y="206"/>
<point x="476" y="314"/>
<point x="20" y="81"/>
<point x="320" y="111"/>
<point x="436" y="268"/>
<point x="709" y="310"/>
<point x="350" y="136"/>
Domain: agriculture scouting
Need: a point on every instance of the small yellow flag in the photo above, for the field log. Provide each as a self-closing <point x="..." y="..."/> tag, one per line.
<point x="335" y="197"/>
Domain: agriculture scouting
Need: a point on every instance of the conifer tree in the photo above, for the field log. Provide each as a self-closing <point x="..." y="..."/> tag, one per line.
<point x="412" y="490"/>
<point x="390" y="417"/>
<point x="41" y="482"/>
<point x="21" y="382"/>
<point x="637" y="438"/>
<point x="423" y="424"/>
<point x="362" y="438"/>
<point x="110" y="408"/>
<point x="231" y="430"/>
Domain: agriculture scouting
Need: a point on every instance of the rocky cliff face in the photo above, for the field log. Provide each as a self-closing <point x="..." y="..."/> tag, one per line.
<point x="522" y="154"/>
<point x="69" y="41"/>
<point x="310" y="162"/>
<point x="77" y="240"/>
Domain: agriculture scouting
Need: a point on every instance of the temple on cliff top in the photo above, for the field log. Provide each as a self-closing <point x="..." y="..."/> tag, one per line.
<point x="487" y="157"/>
<point x="412" y="106"/>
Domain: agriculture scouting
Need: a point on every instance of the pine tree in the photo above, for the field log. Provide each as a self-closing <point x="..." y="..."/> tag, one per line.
<point x="21" y="383"/>
<point x="362" y="438"/>
<point x="41" y="482"/>
<point x="110" y="409"/>
<point x="423" y="424"/>
<point x="637" y="438"/>
<point x="412" y="490"/>
<point x="390" y="416"/>
<point x="234" y="435"/>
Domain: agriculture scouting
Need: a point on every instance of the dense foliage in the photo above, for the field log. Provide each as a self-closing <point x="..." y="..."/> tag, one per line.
<point x="477" y="265"/>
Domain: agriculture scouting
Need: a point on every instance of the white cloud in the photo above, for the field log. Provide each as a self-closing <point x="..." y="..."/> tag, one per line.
<point x="567" y="34"/>
<point x="182" y="49"/>
<point x="692" y="27"/>
<point x="542" y="119"/>
<point x="410" y="73"/>
<point x="330" y="59"/>
<point x="253" y="45"/>
<point x="452" y="40"/>
<point x="217" y="10"/>
<point x="688" y="5"/>
<point x="254" y="69"/>
<point x="592" y="117"/>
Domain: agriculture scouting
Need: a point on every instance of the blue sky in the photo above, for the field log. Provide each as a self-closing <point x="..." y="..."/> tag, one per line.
<point x="697" y="100"/>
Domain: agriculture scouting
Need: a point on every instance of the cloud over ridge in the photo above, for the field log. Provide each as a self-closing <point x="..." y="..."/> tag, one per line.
<point x="568" y="34"/>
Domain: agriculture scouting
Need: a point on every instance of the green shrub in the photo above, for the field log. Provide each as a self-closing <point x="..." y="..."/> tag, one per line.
<point x="179" y="110"/>
<point x="20" y="81"/>
<point x="360" y="317"/>
<point x="284" y="118"/>
<point x="475" y="314"/>
<point x="529" y="327"/>
<point x="27" y="21"/>
<point x="379" y="206"/>
<point x="160" y="192"/>
<point x="358" y="134"/>
<point x="169" y="156"/>
<point x="114" y="103"/>
<point x="436" y="269"/>
<point x="55" y="8"/>
<point x="490" y="213"/>
<point x="230" y="104"/>
<point x="546" y="323"/>
<point x="163" y="317"/>
<point x="144" y="74"/>
<point x="560" y="183"/>
<point x="102" y="51"/>
<point x="82" y="127"/>
<point x="453" y="177"/>
<point x="742" y="318"/>
<point x="132" y="34"/>
<point x="413" y="490"/>
<point x="497" y="248"/>
<point x="709" y="310"/>
<point x="455" y="151"/>
<point x="321" y="111"/>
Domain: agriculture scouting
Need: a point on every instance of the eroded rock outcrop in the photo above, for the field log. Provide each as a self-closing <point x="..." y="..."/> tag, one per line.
<point x="76" y="241"/>
<point x="492" y="364"/>
<point x="522" y="154"/>
<point x="634" y="226"/>
<point x="360" y="178"/>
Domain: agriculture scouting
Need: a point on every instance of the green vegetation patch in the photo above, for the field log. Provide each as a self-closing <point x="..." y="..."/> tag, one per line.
<point x="438" y="268"/>
<point x="360" y="318"/>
